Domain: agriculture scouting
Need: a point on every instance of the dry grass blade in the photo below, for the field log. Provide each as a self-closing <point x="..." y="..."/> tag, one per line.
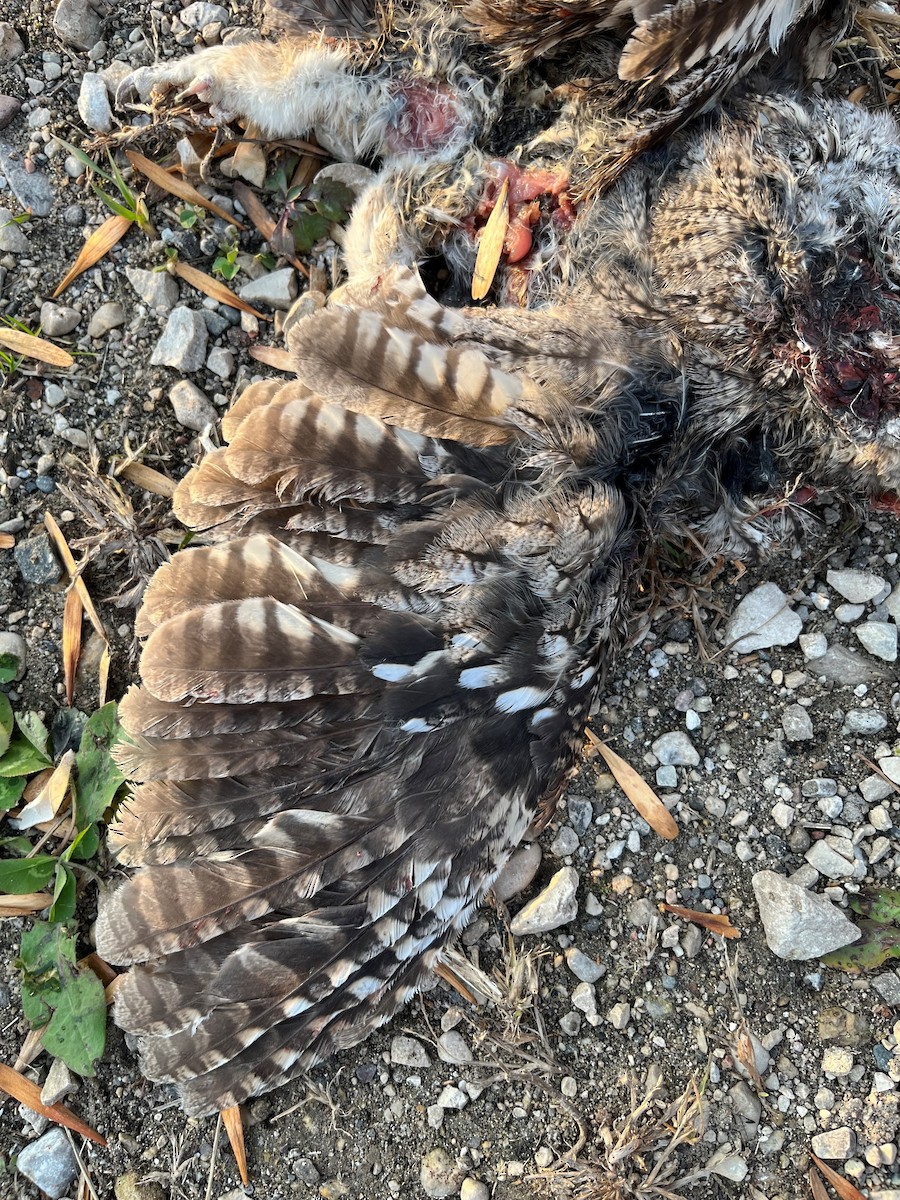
<point x="31" y="1048"/>
<point x="638" y="791"/>
<point x="214" y="288"/>
<point x="98" y="244"/>
<point x="261" y="219"/>
<point x="176" y="186"/>
<point x="816" y="1186"/>
<point x="880" y="17"/>
<point x="103" y="675"/>
<point x="23" y="906"/>
<point x="491" y="246"/>
<point x="29" y="345"/>
<point x="449" y="976"/>
<point x="62" y="547"/>
<point x="7" y="541"/>
<point x="234" y="1127"/>
<point x="71" y="640"/>
<point x="28" y="1093"/>
<point x="714" y="922"/>
<point x="147" y="478"/>
<point x="844" y="1188"/>
<point x="101" y="968"/>
<point x="272" y="356"/>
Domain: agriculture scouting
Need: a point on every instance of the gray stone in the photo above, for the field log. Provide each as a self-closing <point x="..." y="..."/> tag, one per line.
<point x="76" y="23"/>
<point x="584" y="998"/>
<point x="797" y="723"/>
<point x="277" y="289"/>
<point x="746" y="1105"/>
<point x="58" y="319"/>
<point x="835" y="1144"/>
<point x="799" y="924"/>
<point x="565" y="842"/>
<point x="828" y="861"/>
<point x="859" y="587"/>
<point x="452" y="1047"/>
<point x="157" y="289"/>
<point x="201" y="13"/>
<point x="108" y="316"/>
<point x="556" y="905"/>
<point x="474" y="1189"/>
<point x="93" y="103"/>
<point x="890" y="766"/>
<point x="848" y="613"/>
<point x="763" y="618"/>
<point x="874" y="788"/>
<point x="439" y="1175"/>
<point x="892" y="604"/>
<point x="453" y="1098"/>
<point x="183" y="341"/>
<point x="518" y="873"/>
<point x="844" y="666"/>
<point x="879" y="638"/>
<point x="12" y="236"/>
<point x="581" y="813"/>
<point x="409" y="1052"/>
<point x="32" y="189"/>
<point x="841" y="1027"/>
<point x="49" y="1163"/>
<point x="192" y="407"/>
<point x="59" y="1083"/>
<point x="813" y="789"/>
<point x="36" y="561"/>
<point x="619" y="1015"/>
<point x="865" y="721"/>
<point x="10" y="108"/>
<point x="221" y="362"/>
<point x="582" y="967"/>
<point x="352" y="175"/>
<point x="13" y="653"/>
<point x="887" y="985"/>
<point x="676" y="749"/>
<point x="11" y="45"/>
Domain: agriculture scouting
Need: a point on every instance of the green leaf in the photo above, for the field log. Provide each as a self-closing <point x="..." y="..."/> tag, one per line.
<point x="188" y="218"/>
<point x="877" y="944"/>
<point x="77" y="1029"/>
<point x="9" y="668"/>
<point x="881" y="904"/>
<point x="97" y="776"/>
<point x="115" y="206"/>
<point x="85" y="845"/>
<point x="332" y="199"/>
<point x="85" y="159"/>
<point x="22" y="759"/>
<point x="34" y="729"/>
<point x="307" y="230"/>
<point x="11" y="790"/>
<point x="7" y="724"/>
<point x="18" y="845"/>
<point x="47" y="956"/>
<point x="21" y="875"/>
<point x="63" y="906"/>
<point x="226" y="267"/>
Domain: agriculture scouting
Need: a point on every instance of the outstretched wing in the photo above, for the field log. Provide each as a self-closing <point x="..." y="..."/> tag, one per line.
<point x="354" y="699"/>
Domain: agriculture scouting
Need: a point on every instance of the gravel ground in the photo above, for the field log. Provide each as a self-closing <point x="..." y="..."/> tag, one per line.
<point x="763" y="749"/>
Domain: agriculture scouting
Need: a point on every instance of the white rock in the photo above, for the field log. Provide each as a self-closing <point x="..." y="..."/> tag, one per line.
<point x="452" y="1047"/>
<point x="108" y="316"/>
<point x="93" y="103"/>
<point x="191" y="406"/>
<point x="183" y="341"/>
<point x="619" y="1015"/>
<point x="676" y="749"/>
<point x="12" y="238"/>
<point x="11" y="45"/>
<point x="813" y="645"/>
<point x="859" y="587"/>
<point x="799" y="924"/>
<point x="835" y="1144"/>
<point x="556" y="905"/>
<point x="49" y="1163"/>
<point x="56" y="319"/>
<point x="828" y="861"/>
<point x="763" y="618"/>
<point x="879" y="638"/>
<point x="797" y="723"/>
<point x="277" y="289"/>
<point x="200" y="13"/>
<point x="157" y="289"/>
<point x="408" y="1052"/>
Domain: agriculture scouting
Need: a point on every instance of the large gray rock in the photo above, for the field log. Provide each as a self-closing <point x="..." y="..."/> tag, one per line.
<point x="859" y="587"/>
<point x="49" y="1163"/>
<point x="799" y="924"/>
<point x="763" y="618"/>
<point x="556" y="905"/>
<point x="183" y="342"/>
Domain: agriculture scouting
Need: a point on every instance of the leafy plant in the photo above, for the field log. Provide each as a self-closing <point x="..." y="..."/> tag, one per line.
<point x="309" y="212"/>
<point x="189" y="216"/>
<point x="129" y="205"/>
<point x="57" y="993"/>
<point x="226" y="264"/>
<point x="879" y="913"/>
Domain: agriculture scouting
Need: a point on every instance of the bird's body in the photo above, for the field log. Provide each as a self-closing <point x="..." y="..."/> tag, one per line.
<point x="356" y="698"/>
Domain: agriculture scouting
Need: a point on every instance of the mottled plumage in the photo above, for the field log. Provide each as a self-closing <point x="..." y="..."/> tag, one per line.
<point x="421" y="551"/>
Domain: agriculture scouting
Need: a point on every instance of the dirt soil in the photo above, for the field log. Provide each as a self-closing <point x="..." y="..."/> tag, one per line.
<point x="542" y="1068"/>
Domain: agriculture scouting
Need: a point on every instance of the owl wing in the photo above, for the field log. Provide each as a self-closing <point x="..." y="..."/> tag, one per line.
<point x="338" y="18"/>
<point x="354" y="699"/>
